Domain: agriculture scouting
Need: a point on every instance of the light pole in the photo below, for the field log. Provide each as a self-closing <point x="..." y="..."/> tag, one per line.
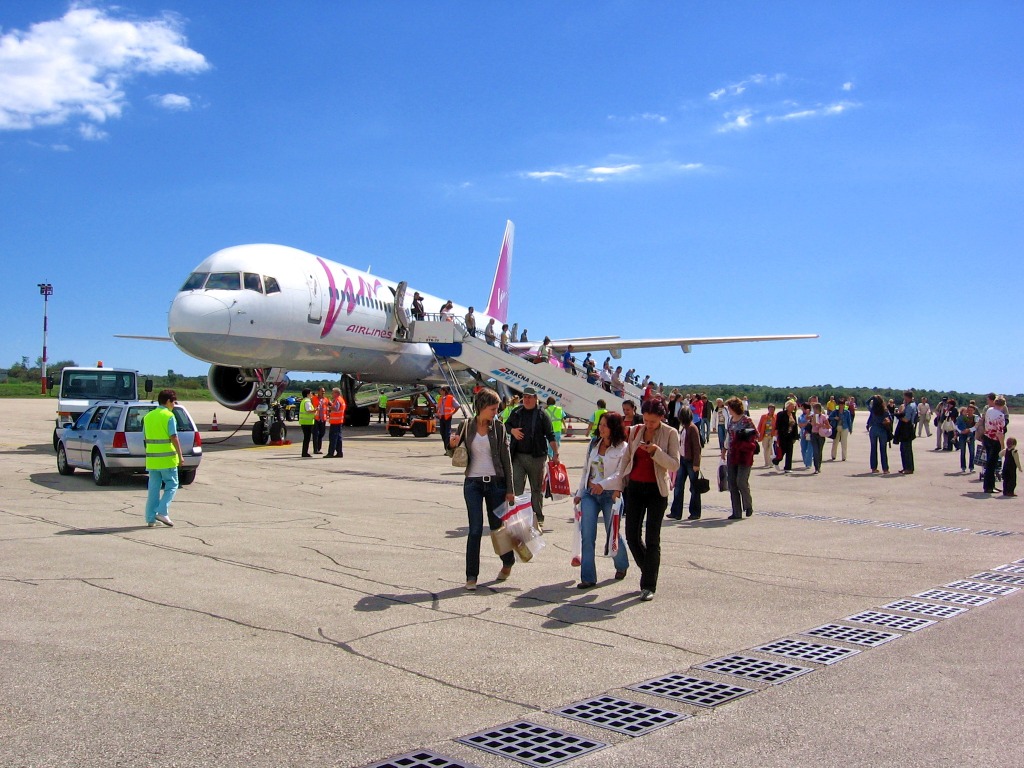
<point x="46" y="291"/>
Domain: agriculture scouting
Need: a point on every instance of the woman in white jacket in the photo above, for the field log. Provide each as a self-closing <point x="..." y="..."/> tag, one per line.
<point x="600" y="488"/>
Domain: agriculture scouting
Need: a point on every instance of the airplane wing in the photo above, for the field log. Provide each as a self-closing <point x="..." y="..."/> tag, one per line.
<point x="143" y="338"/>
<point x="615" y="345"/>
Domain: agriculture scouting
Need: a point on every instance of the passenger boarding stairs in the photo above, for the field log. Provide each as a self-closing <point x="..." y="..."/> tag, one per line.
<point x="452" y="343"/>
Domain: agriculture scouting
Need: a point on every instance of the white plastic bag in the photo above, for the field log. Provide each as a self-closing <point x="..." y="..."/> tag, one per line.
<point x="611" y="544"/>
<point x="518" y="520"/>
<point x="577" y="536"/>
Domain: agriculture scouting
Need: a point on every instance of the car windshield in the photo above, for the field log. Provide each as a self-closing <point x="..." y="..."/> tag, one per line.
<point x="136" y="413"/>
<point x="98" y="385"/>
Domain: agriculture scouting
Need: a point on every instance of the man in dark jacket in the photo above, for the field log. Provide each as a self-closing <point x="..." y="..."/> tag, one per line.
<point x="531" y="432"/>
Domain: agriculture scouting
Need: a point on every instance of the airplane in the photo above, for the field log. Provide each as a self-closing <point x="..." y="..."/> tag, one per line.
<point x="257" y="311"/>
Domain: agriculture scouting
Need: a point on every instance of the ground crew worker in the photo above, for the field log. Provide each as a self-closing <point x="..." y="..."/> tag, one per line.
<point x="557" y="415"/>
<point x="320" y="402"/>
<point x="602" y="408"/>
<point x="163" y="456"/>
<point x="335" y="418"/>
<point x="307" y="416"/>
<point x="507" y="410"/>
<point x="382" y="407"/>
<point x="446" y="407"/>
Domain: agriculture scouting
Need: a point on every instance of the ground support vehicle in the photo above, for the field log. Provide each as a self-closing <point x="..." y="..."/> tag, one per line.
<point x="81" y="387"/>
<point x="108" y="440"/>
<point x="404" y="417"/>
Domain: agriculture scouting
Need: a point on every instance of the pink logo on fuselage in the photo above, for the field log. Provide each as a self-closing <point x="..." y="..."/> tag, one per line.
<point x="337" y="303"/>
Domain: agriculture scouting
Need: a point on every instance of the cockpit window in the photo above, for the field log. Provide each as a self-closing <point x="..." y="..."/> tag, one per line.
<point x="195" y="281"/>
<point x="271" y="283"/>
<point x="252" y="282"/>
<point x="223" y="281"/>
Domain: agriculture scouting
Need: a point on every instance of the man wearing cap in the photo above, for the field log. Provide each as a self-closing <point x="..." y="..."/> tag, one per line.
<point x="532" y="436"/>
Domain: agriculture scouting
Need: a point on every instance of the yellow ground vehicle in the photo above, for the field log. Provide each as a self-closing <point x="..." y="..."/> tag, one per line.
<point x="404" y="416"/>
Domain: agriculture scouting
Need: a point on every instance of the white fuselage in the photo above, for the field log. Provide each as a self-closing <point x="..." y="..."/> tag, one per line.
<point x="271" y="306"/>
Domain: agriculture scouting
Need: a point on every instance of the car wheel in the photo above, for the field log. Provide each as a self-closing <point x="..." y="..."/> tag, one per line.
<point x="186" y="476"/>
<point x="62" y="461"/>
<point x="100" y="474"/>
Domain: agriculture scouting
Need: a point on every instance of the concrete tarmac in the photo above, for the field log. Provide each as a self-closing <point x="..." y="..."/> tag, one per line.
<point x="305" y="612"/>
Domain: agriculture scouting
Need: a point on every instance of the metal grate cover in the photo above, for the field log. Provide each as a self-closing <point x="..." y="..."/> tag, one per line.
<point x="692" y="690"/>
<point x="1009" y="568"/>
<point x="1002" y="578"/>
<point x="995" y="533"/>
<point x="754" y="669"/>
<point x="981" y="586"/>
<point x="532" y="744"/>
<point x="946" y="529"/>
<point x="805" y="651"/>
<point x="814" y="518"/>
<point x="620" y="715"/>
<point x="870" y="638"/>
<point x="854" y="521"/>
<point x="890" y="620"/>
<point x="775" y="514"/>
<point x="954" y="597"/>
<point x="900" y="525"/>
<point x="421" y="759"/>
<point x="925" y="609"/>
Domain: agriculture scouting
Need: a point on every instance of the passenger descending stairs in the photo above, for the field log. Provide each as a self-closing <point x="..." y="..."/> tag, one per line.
<point x="464" y="399"/>
<point x="451" y="343"/>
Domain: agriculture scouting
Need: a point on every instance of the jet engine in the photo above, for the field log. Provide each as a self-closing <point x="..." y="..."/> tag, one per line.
<point x="242" y="389"/>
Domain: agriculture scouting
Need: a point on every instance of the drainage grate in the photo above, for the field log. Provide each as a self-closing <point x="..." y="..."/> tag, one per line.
<point x="981" y="586"/>
<point x="692" y="690"/>
<point x="421" y="759"/>
<point x="870" y="638"/>
<point x="925" y="609"/>
<point x="899" y="525"/>
<point x="1019" y="562"/>
<point x="946" y="529"/>
<point x="815" y="518"/>
<point x="1009" y="568"/>
<point x="775" y="514"/>
<point x="890" y="620"/>
<point x="804" y="651"/>
<point x="854" y="521"/>
<point x="620" y="715"/>
<point x="754" y="669"/>
<point x="995" y="533"/>
<point x="532" y="744"/>
<point x="1002" y="578"/>
<point x="954" y="597"/>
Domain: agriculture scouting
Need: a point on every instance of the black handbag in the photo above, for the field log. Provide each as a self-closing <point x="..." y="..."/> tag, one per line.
<point x="702" y="484"/>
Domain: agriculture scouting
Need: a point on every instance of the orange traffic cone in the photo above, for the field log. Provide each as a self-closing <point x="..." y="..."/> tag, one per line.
<point x="214" y="427"/>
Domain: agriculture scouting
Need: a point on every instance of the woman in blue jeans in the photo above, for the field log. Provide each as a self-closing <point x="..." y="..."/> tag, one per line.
<point x="880" y="431"/>
<point x="488" y="477"/>
<point x="600" y="488"/>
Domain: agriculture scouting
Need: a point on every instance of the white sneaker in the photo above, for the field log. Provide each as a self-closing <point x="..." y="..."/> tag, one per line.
<point x="165" y="520"/>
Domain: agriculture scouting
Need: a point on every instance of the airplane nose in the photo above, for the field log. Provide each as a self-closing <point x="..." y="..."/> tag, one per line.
<point x="198" y="313"/>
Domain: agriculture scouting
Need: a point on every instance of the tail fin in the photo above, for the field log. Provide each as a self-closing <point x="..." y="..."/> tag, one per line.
<point x="497" y="305"/>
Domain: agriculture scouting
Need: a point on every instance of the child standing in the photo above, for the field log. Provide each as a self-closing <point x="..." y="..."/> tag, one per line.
<point x="1011" y="462"/>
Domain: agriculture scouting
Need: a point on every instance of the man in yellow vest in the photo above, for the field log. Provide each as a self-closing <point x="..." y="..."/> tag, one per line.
<point x="557" y="416"/>
<point x="602" y="408"/>
<point x="336" y="417"/>
<point x="382" y="407"/>
<point x="163" y="455"/>
<point x="446" y="406"/>
<point x="307" y="415"/>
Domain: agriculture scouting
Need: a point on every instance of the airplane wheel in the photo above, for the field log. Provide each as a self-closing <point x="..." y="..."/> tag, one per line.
<point x="260" y="436"/>
<point x="396" y="431"/>
<point x="278" y="431"/>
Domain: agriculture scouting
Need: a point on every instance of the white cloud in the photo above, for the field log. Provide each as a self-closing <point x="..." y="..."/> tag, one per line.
<point x="737" y="121"/>
<point x="605" y="173"/>
<point x="76" y="68"/>
<point x="735" y="89"/>
<point x="847" y="86"/>
<point x="826" y="111"/>
<point x="173" y="101"/>
<point x="644" y="117"/>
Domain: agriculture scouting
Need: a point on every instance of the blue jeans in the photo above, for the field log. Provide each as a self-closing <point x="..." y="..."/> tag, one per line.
<point x="967" y="445"/>
<point x="160" y="478"/>
<point x="685" y="471"/>
<point x="476" y="492"/>
<point x="721" y="437"/>
<point x="334" y="441"/>
<point x="879" y="445"/>
<point x="590" y="506"/>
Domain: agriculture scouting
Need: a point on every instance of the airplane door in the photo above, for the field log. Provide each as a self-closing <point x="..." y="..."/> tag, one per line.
<point x="315" y="300"/>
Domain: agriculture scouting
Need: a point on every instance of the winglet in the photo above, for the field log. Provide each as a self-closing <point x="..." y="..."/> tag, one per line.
<point x="497" y="305"/>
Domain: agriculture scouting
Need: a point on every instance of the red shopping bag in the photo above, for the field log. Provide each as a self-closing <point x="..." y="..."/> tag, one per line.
<point x="558" y="479"/>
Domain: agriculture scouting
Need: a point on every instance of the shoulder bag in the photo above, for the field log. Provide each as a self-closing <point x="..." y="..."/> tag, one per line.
<point x="460" y="456"/>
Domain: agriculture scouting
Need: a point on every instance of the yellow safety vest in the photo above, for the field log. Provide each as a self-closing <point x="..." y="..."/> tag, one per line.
<point x="596" y="420"/>
<point x="307" y="413"/>
<point x="160" y="453"/>
<point x="557" y="416"/>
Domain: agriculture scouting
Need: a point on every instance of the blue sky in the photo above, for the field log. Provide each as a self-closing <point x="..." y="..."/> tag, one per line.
<point x="673" y="168"/>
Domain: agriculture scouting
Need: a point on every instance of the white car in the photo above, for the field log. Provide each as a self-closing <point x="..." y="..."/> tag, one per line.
<point x="107" y="439"/>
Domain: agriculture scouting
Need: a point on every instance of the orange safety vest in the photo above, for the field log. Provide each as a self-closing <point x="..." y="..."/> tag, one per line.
<point x="322" y="409"/>
<point x="338" y="411"/>
<point x="446" y="406"/>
